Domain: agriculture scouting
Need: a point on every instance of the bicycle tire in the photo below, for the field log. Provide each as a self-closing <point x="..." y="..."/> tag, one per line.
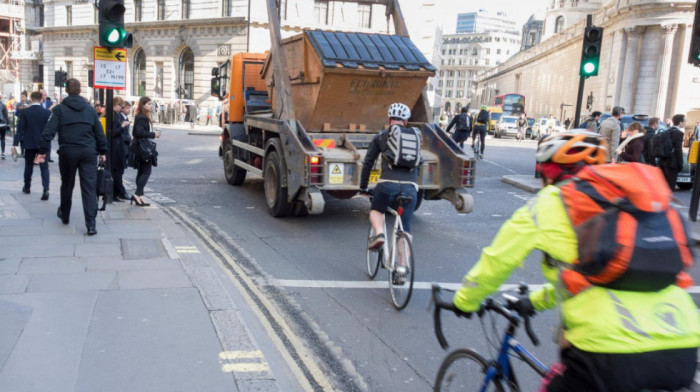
<point x="462" y="370"/>
<point x="401" y="292"/>
<point x="374" y="256"/>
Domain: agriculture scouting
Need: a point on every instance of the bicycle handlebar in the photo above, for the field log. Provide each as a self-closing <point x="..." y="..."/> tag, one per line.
<point x="511" y="311"/>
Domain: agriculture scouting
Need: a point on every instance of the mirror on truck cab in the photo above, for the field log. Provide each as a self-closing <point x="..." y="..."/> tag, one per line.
<point x="216" y="87"/>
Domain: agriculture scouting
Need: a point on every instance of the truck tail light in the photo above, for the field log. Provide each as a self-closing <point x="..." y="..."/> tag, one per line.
<point x="468" y="172"/>
<point x="314" y="169"/>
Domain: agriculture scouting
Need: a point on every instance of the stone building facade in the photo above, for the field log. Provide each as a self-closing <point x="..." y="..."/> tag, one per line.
<point x="176" y="42"/>
<point x="464" y="56"/>
<point x="642" y="67"/>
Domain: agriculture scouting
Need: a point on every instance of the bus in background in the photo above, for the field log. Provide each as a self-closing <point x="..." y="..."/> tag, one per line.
<point x="510" y="104"/>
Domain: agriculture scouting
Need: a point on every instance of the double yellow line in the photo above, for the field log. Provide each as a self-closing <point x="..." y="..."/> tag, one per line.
<point x="304" y="369"/>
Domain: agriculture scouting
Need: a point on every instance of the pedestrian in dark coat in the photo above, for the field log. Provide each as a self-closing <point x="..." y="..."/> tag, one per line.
<point x="143" y="129"/>
<point x="673" y="165"/>
<point x="120" y="127"/>
<point x="80" y="139"/>
<point x="4" y="125"/>
<point x="32" y="120"/>
<point x="650" y="131"/>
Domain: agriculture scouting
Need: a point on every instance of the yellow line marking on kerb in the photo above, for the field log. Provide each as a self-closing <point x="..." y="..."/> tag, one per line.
<point x="304" y="356"/>
<point x="240" y="354"/>
<point x="245" y="367"/>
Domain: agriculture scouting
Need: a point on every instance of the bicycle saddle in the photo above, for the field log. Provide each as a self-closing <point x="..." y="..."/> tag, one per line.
<point x="403" y="199"/>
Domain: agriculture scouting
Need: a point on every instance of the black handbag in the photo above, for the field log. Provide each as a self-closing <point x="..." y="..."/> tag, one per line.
<point x="104" y="180"/>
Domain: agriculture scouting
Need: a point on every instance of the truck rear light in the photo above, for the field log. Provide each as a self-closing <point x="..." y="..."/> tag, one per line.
<point x="468" y="172"/>
<point x="314" y="169"/>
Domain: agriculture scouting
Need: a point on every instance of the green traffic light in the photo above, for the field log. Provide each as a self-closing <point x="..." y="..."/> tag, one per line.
<point x="113" y="36"/>
<point x="589" y="68"/>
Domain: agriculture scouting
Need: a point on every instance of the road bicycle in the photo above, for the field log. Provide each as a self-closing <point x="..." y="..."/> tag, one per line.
<point x="400" y="285"/>
<point x="466" y="369"/>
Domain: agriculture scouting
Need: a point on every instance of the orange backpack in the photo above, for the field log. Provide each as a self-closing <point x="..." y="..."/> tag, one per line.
<point x="629" y="236"/>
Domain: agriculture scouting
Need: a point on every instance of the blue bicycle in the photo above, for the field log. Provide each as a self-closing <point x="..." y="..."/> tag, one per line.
<point x="466" y="369"/>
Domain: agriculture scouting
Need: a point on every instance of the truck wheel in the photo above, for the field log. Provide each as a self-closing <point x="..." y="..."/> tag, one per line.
<point x="275" y="193"/>
<point x="234" y="175"/>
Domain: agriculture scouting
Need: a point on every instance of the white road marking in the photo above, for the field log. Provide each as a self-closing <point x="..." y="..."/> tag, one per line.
<point x="240" y="354"/>
<point x="245" y="367"/>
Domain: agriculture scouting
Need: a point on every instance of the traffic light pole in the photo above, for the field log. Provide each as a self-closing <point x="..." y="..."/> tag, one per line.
<point x="109" y="192"/>
<point x="581" y="83"/>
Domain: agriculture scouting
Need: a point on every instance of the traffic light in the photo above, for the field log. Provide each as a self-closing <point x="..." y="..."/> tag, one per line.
<point x="111" y="30"/>
<point x="60" y="78"/>
<point x="694" y="55"/>
<point x="590" y="55"/>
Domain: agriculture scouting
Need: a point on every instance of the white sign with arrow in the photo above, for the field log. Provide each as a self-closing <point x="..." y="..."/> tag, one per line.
<point x="110" y="68"/>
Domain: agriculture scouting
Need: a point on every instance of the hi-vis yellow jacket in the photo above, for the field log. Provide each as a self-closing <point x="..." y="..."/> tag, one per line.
<point x="596" y="320"/>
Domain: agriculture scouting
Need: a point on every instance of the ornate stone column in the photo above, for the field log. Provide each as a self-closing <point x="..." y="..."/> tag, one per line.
<point x="669" y="33"/>
<point x="629" y="76"/>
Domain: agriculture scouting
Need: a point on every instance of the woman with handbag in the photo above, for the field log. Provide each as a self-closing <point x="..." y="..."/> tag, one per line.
<point x="143" y="132"/>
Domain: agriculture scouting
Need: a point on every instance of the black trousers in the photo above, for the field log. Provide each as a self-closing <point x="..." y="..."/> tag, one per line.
<point x="84" y="161"/>
<point x="142" y="175"/>
<point x="671" y="176"/>
<point x="481" y="132"/>
<point x="460" y="136"/>
<point x="595" y="372"/>
<point x="29" y="155"/>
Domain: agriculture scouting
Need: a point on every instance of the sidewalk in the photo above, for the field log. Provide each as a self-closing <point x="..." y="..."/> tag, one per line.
<point x="137" y="307"/>
<point x="196" y="130"/>
<point x="531" y="184"/>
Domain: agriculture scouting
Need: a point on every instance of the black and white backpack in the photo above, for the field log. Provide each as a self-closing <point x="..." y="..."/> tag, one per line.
<point x="403" y="147"/>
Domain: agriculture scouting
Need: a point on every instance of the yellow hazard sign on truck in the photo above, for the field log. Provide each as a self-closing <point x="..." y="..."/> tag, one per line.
<point x="336" y="173"/>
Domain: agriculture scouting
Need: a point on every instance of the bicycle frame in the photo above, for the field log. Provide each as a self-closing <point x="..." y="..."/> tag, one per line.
<point x="397" y="227"/>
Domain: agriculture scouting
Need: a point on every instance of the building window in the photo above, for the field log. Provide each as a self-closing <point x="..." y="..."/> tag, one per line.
<point x="475" y="51"/>
<point x="139" y="74"/>
<point x="559" y="24"/>
<point x="487" y="61"/>
<point x="365" y="15"/>
<point x="69" y="15"/>
<point x="498" y="51"/>
<point x="227" y="9"/>
<point x="41" y="15"/>
<point x="186" y="75"/>
<point x="450" y="83"/>
<point x="69" y="69"/>
<point x="450" y="74"/>
<point x="185" y="9"/>
<point x="160" y="11"/>
<point x="321" y="12"/>
<point x="448" y="94"/>
<point x="460" y="94"/>
<point x="440" y="83"/>
<point x="138" y="10"/>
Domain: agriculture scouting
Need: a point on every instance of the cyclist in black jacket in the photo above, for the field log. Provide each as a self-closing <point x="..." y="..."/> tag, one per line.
<point x="463" y="126"/>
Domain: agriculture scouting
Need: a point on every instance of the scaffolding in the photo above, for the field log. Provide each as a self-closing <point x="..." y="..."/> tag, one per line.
<point x="11" y="31"/>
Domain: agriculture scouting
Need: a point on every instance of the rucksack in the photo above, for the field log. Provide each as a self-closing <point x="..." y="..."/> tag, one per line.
<point x="403" y="147"/>
<point x="483" y="117"/>
<point x="661" y="144"/>
<point x="629" y="237"/>
<point x="463" y="123"/>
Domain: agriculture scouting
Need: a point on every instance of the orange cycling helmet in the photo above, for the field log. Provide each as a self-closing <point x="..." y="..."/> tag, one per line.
<point x="578" y="146"/>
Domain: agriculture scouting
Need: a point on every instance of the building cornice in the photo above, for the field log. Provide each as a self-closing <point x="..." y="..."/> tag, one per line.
<point x="148" y="25"/>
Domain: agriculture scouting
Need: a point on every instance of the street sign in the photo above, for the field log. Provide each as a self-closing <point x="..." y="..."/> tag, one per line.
<point x="110" y="68"/>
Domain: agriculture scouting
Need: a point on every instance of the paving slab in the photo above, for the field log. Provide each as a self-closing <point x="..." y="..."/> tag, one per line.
<point x="94" y="280"/>
<point x="47" y="354"/>
<point x="86" y="250"/>
<point x="165" y="331"/>
<point x="46" y="265"/>
<point x="118" y="264"/>
<point x="131" y="280"/>
<point x="15" y="319"/>
<point x="9" y="265"/>
<point x="10" y="284"/>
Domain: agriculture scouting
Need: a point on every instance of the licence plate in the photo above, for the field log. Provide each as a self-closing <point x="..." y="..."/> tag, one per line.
<point x="683" y="179"/>
<point x="374" y="176"/>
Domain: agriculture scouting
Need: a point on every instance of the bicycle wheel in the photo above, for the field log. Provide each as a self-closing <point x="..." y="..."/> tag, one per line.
<point x="374" y="256"/>
<point x="401" y="287"/>
<point x="465" y="370"/>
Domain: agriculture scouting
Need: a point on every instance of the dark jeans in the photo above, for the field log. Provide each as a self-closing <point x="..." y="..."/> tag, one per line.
<point x="384" y="194"/>
<point x="29" y="155"/>
<point x="481" y="131"/>
<point x="590" y="372"/>
<point x="3" y="132"/>
<point x="142" y="175"/>
<point x="84" y="161"/>
<point x="460" y="136"/>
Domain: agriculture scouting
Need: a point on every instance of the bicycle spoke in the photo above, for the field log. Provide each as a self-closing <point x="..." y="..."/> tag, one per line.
<point x="463" y="370"/>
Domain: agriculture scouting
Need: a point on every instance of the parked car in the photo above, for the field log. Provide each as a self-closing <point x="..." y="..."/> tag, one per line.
<point x="528" y="131"/>
<point x="628" y="119"/>
<point x="687" y="175"/>
<point x="506" y="126"/>
<point x="495" y="117"/>
<point x="540" y="127"/>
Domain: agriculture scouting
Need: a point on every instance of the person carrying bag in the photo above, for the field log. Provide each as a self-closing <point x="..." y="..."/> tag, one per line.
<point x="142" y="151"/>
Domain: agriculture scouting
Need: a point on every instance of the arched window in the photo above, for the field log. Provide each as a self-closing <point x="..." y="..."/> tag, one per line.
<point x="559" y="24"/>
<point x="139" y="74"/>
<point x="185" y="88"/>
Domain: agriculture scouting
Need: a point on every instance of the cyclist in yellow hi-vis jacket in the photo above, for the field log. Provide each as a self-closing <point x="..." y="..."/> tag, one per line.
<point x="613" y="340"/>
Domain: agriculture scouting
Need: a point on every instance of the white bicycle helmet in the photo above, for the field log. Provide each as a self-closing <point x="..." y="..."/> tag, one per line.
<point x="399" y="110"/>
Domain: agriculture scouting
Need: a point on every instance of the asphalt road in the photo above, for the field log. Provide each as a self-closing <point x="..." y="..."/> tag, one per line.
<point x="314" y="267"/>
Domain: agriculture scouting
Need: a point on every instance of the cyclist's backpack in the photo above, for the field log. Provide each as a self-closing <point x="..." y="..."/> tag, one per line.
<point x="662" y="146"/>
<point x="629" y="237"/>
<point x="403" y="147"/>
<point x="463" y="123"/>
<point x="483" y="117"/>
